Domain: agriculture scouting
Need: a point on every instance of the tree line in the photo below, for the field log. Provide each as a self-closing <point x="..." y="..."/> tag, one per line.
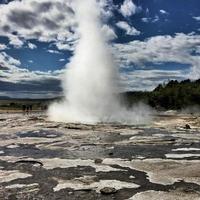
<point x="173" y="95"/>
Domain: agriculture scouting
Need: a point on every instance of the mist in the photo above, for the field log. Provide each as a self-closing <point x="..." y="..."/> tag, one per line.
<point x="91" y="82"/>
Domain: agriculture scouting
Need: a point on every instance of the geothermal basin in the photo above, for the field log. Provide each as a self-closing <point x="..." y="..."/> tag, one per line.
<point x="40" y="159"/>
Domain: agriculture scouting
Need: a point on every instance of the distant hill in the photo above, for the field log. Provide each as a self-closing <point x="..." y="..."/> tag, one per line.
<point x="4" y="98"/>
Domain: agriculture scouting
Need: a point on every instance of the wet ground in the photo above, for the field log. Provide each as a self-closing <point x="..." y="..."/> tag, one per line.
<point x="46" y="160"/>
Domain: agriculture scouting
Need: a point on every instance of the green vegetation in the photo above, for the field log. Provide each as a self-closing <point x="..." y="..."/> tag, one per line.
<point x="173" y="95"/>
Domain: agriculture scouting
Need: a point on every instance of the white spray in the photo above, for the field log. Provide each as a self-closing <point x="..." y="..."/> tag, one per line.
<point x="91" y="80"/>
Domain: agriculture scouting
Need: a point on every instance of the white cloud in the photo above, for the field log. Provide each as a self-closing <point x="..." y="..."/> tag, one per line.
<point x="146" y="20"/>
<point x="181" y="49"/>
<point x="12" y="71"/>
<point x="31" y="45"/>
<point x="156" y="18"/>
<point x="128" y="8"/>
<point x="44" y="20"/>
<point x="147" y="79"/>
<point x="37" y="19"/>
<point x="107" y="8"/>
<point x="53" y="51"/>
<point x="129" y="30"/>
<point x="164" y="12"/>
<point x="3" y="47"/>
<point x="197" y="18"/>
<point x="64" y="46"/>
<point x="62" y="60"/>
<point x="8" y="62"/>
<point x="14" y="40"/>
<point x="19" y="82"/>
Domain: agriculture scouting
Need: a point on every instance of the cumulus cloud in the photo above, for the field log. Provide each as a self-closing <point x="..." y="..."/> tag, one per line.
<point x="3" y="47"/>
<point x="65" y="46"/>
<point x="128" y="8"/>
<point x="53" y="51"/>
<point x="8" y="62"/>
<point x="126" y="27"/>
<point x="146" y="19"/>
<point x="181" y="49"/>
<point x="197" y="18"/>
<point x="31" y="45"/>
<point x="154" y="19"/>
<point x="107" y="7"/>
<point x="12" y="71"/>
<point x="14" y="40"/>
<point x="21" y="83"/>
<point x="164" y="12"/>
<point x="17" y="81"/>
<point x="44" y="20"/>
<point x="141" y="80"/>
<point x="37" y="19"/>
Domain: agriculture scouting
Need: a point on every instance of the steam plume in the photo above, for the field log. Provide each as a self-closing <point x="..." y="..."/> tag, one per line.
<point x="91" y="80"/>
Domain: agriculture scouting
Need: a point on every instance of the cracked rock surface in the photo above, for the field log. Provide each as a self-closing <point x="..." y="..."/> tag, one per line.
<point x="40" y="159"/>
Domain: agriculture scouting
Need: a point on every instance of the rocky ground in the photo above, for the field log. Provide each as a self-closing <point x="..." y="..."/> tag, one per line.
<point x="46" y="160"/>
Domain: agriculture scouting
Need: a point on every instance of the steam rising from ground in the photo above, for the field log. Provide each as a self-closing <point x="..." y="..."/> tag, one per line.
<point x="91" y="80"/>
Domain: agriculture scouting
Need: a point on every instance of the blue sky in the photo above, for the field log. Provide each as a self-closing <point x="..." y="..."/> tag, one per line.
<point x="152" y="42"/>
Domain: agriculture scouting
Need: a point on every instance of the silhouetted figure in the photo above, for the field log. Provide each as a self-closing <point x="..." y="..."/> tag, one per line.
<point x="31" y="108"/>
<point x="27" y="110"/>
<point x="45" y="107"/>
<point x="24" y="108"/>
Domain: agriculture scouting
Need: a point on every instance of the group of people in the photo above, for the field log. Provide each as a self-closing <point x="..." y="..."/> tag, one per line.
<point x="27" y="109"/>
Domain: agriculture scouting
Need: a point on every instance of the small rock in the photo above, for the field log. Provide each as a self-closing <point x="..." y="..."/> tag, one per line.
<point x="36" y="119"/>
<point x="110" y="154"/>
<point x="187" y="126"/>
<point x="53" y="126"/>
<point x="108" y="190"/>
<point x="98" y="161"/>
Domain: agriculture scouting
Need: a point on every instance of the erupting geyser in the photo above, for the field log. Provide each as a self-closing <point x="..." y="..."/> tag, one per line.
<point x="91" y="80"/>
